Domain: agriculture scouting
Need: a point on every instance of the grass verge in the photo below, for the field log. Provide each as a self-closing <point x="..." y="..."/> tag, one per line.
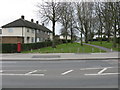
<point x="106" y="45"/>
<point x="67" y="48"/>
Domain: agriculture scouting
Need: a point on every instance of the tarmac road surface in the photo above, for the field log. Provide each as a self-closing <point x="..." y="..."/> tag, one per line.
<point x="60" y="74"/>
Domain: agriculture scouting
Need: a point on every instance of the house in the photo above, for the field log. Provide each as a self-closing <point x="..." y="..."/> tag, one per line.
<point x="64" y="37"/>
<point x="25" y="31"/>
<point x="0" y="31"/>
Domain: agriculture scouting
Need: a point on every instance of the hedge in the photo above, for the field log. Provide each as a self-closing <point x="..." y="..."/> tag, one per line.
<point x="29" y="46"/>
<point x="12" y="48"/>
<point x="118" y="40"/>
<point x="9" y="48"/>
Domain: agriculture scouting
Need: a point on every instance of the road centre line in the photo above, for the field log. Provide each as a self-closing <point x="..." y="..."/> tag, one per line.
<point x="100" y="72"/>
<point x="23" y="74"/>
<point x="31" y="72"/>
<point x="96" y="68"/>
<point x="66" y="72"/>
<point x="1" y="62"/>
<point x="21" y="70"/>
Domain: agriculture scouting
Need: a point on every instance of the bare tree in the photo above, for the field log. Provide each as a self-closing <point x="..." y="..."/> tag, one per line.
<point x="79" y="20"/>
<point x="65" y="18"/>
<point x="50" y="11"/>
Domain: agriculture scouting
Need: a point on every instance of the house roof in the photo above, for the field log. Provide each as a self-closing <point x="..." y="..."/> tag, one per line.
<point x="24" y="23"/>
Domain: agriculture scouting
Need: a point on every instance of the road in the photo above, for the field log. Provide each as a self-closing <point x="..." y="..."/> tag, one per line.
<point x="60" y="74"/>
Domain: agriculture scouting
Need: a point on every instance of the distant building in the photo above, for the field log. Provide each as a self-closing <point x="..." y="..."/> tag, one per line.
<point x="0" y="31"/>
<point x="64" y="37"/>
<point x="25" y="31"/>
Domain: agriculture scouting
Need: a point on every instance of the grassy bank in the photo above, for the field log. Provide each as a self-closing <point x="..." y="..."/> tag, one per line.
<point x="67" y="48"/>
<point x="106" y="45"/>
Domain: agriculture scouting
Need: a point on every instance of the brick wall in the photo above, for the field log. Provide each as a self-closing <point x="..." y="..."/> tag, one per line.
<point x="11" y="39"/>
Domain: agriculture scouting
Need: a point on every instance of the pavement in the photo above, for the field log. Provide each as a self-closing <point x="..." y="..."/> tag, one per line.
<point x="60" y="56"/>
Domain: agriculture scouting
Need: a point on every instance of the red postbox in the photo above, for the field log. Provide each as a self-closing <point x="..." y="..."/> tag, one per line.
<point x="18" y="47"/>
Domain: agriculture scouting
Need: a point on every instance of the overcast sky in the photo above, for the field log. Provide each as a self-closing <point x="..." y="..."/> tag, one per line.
<point x="11" y="10"/>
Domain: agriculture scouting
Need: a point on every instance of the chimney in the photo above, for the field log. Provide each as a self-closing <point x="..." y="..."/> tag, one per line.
<point x="32" y="20"/>
<point x="37" y="22"/>
<point x="43" y="24"/>
<point x="22" y="17"/>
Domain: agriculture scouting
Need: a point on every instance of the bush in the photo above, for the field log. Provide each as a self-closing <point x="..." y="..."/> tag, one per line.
<point x="9" y="48"/>
<point x="12" y="48"/>
<point x="118" y="40"/>
<point x="29" y="46"/>
<point x="64" y="41"/>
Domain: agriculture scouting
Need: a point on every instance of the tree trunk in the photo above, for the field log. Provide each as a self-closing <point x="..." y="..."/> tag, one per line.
<point x="81" y="39"/>
<point x="86" y="37"/>
<point x="71" y="34"/>
<point x="101" y="36"/>
<point x="114" y="39"/>
<point x="53" y="43"/>
<point x="66" y="34"/>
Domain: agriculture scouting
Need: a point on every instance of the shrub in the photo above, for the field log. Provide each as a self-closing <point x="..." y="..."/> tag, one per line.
<point x="64" y="41"/>
<point x="118" y="40"/>
<point x="12" y="48"/>
<point x="30" y="46"/>
<point x="9" y="48"/>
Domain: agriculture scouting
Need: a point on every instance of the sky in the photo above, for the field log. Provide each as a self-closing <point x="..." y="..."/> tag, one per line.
<point x="11" y="10"/>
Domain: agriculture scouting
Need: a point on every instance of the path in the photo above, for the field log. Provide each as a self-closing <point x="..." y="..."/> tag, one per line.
<point x="102" y="48"/>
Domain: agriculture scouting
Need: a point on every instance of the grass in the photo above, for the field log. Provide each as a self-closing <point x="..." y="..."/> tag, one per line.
<point x="67" y="48"/>
<point x="106" y="45"/>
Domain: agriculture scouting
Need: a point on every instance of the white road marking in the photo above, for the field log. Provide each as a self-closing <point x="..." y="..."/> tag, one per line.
<point x="23" y="74"/>
<point x="96" y="68"/>
<point x="31" y="72"/>
<point x="100" y="72"/>
<point x="66" y="72"/>
<point x="1" y="71"/>
<point x="7" y="62"/>
<point x="21" y="70"/>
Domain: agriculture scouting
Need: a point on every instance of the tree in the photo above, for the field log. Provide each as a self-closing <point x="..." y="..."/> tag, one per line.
<point x="115" y="10"/>
<point x="50" y="11"/>
<point x="65" y="18"/>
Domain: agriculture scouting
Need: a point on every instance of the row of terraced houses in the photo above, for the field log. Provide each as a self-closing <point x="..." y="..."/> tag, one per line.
<point x="24" y="31"/>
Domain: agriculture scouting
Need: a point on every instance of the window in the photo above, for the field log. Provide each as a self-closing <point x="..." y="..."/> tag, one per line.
<point x="38" y="31"/>
<point x="32" y="30"/>
<point x="41" y="32"/>
<point x="10" y="30"/>
<point x="28" y="38"/>
<point x="27" y="30"/>
<point x="48" y="33"/>
<point x="32" y="40"/>
<point x="38" y="39"/>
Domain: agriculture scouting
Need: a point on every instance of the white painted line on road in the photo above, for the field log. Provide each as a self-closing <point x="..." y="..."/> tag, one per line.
<point x="66" y="72"/>
<point x="31" y="72"/>
<point x="42" y="70"/>
<point x="100" y="72"/>
<point x="23" y="74"/>
<point x="1" y="62"/>
<point x="96" y="68"/>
